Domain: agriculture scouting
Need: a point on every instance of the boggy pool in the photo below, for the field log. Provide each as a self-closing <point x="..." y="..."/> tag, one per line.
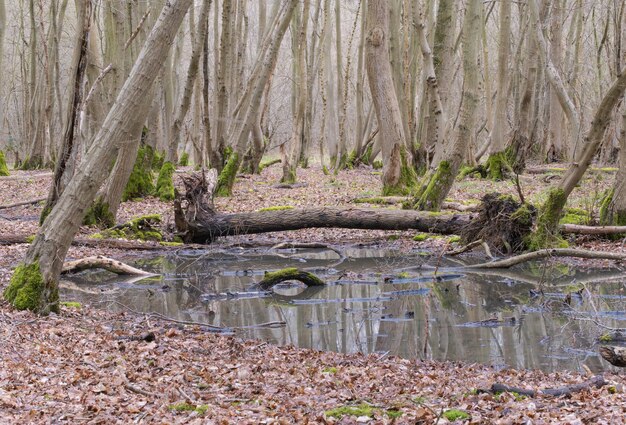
<point x="415" y="305"/>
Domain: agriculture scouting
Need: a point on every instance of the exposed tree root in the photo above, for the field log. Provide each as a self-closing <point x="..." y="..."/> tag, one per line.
<point x="614" y="355"/>
<point x="100" y="262"/>
<point x="597" y="381"/>
<point x="546" y="253"/>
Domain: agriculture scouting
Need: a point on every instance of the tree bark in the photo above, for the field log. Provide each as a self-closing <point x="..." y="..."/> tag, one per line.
<point x="398" y="175"/>
<point x="34" y="285"/>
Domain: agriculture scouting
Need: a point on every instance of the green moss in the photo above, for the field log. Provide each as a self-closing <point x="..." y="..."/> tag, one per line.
<point x="139" y="228"/>
<point x="407" y="180"/>
<point x="291" y="273"/>
<point x="575" y="216"/>
<point x="4" y="170"/>
<point x="71" y="304"/>
<point x="140" y="183"/>
<point x="455" y="415"/>
<point x="30" y="238"/>
<point x="497" y="166"/>
<point x="164" y="243"/>
<point x="289" y="175"/>
<point x="454" y="239"/>
<point x="332" y="370"/>
<point x="27" y="290"/>
<point x="99" y="214"/>
<point x="362" y="409"/>
<point x="226" y="179"/>
<point x="477" y="171"/>
<point x="351" y="161"/>
<point x="184" y="160"/>
<point x="421" y="237"/>
<point x="523" y="215"/>
<point x="431" y="198"/>
<point x="378" y="165"/>
<point x="268" y="163"/>
<point x="393" y="413"/>
<point x="277" y="208"/>
<point x="546" y="234"/>
<point x="165" y="182"/>
<point x="44" y="214"/>
<point x="201" y="409"/>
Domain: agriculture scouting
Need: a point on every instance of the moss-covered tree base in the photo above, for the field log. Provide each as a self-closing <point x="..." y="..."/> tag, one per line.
<point x="28" y="291"/>
<point x="407" y="181"/>
<point x="4" y="170"/>
<point x="432" y="196"/>
<point x="184" y="160"/>
<point x="99" y="215"/>
<point x="289" y="175"/>
<point x="546" y="234"/>
<point x="226" y="179"/>
<point x="165" y="182"/>
<point x="140" y="183"/>
<point x="32" y="163"/>
<point x="497" y="166"/>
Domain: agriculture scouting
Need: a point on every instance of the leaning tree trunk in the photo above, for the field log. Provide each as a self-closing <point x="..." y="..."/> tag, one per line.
<point x="398" y="176"/>
<point x="438" y="183"/>
<point x="497" y="161"/>
<point x="34" y="284"/>
<point x="552" y="209"/>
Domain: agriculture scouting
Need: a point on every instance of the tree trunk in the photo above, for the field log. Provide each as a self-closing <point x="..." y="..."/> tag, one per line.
<point x="497" y="161"/>
<point x="438" y="183"/>
<point x="398" y="176"/>
<point x="613" y="209"/>
<point x="34" y="284"/>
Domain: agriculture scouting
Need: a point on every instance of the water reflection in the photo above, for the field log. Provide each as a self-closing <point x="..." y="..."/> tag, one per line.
<point x="382" y="301"/>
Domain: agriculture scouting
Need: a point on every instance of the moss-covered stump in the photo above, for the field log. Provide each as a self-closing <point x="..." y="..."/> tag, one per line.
<point x="144" y="228"/>
<point x="32" y="163"/>
<point x="27" y="290"/>
<point x="546" y="234"/>
<point x="165" y="182"/>
<point x="4" y="170"/>
<point x="502" y="222"/>
<point x="140" y="183"/>
<point x="497" y="166"/>
<point x="99" y="215"/>
<point x="272" y="278"/>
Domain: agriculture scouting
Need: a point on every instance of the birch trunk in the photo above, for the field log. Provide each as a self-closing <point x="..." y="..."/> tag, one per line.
<point x="34" y="284"/>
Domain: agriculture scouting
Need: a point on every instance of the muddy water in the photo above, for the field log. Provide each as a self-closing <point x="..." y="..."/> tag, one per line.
<point x="381" y="301"/>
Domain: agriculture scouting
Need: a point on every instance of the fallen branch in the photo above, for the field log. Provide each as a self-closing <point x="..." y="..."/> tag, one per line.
<point x="272" y="278"/>
<point x="592" y="230"/>
<point x="26" y="176"/>
<point x="100" y="262"/>
<point x="614" y="355"/>
<point x="19" y="204"/>
<point x="465" y="248"/>
<point x="597" y="381"/>
<point x="545" y="253"/>
<point x="102" y="243"/>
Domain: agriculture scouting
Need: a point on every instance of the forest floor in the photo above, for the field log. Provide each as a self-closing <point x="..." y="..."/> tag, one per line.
<point x="89" y="365"/>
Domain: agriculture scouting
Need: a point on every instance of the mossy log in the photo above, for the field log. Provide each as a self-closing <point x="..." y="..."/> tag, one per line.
<point x="272" y="278"/>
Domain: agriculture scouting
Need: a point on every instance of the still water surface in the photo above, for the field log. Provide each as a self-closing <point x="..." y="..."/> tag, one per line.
<point x="381" y="301"/>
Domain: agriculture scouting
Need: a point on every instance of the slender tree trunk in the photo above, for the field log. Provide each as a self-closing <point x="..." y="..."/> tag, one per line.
<point x="70" y="133"/>
<point x="221" y="112"/>
<point x="34" y="284"/>
<point x="398" y="176"/>
<point x="437" y="184"/>
<point x="613" y="209"/>
<point x="497" y="161"/>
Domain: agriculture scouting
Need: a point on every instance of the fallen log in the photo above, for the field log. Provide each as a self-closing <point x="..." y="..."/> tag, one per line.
<point x="545" y="253"/>
<point x="20" y="204"/>
<point x="614" y="355"/>
<point x="272" y="278"/>
<point x="592" y="230"/>
<point x="98" y="243"/>
<point x="100" y="262"/>
<point x="597" y="381"/>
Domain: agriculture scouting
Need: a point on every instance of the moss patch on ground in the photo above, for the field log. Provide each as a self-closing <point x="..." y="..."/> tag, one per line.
<point x="276" y="208"/>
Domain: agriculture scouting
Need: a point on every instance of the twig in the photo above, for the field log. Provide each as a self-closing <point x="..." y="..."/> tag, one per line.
<point x="95" y="85"/>
<point x="465" y="248"/>
<point x="138" y="390"/>
<point x="136" y="32"/>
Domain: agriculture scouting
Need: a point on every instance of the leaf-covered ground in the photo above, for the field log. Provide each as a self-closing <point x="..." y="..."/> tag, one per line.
<point x="89" y="366"/>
